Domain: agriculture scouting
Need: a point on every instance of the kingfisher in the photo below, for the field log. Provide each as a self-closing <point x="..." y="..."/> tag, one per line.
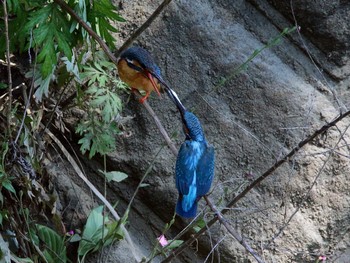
<point x="137" y="68"/>
<point x="194" y="170"/>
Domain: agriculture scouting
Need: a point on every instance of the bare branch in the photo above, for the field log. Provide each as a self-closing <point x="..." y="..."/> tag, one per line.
<point x="285" y="159"/>
<point x="232" y="231"/>
<point x="309" y="190"/>
<point x="143" y="27"/>
<point x="161" y="128"/>
<point x="91" y="32"/>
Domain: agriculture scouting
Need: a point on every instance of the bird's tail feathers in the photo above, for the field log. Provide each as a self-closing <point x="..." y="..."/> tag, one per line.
<point x="186" y="214"/>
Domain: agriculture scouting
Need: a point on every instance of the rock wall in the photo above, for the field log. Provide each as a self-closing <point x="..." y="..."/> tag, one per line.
<point x="252" y="120"/>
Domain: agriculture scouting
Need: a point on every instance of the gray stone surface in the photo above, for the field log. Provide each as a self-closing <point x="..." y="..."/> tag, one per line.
<point x="252" y="120"/>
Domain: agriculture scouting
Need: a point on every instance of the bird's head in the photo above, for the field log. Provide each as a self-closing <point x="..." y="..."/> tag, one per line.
<point x="139" y="59"/>
<point x="192" y="127"/>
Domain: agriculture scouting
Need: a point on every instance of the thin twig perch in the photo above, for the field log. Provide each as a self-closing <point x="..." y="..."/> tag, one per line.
<point x="232" y="231"/>
<point x="143" y="27"/>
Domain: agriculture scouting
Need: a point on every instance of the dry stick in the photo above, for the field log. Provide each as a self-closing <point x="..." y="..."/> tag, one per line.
<point x="258" y="181"/>
<point x="232" y="231"/>
<point x="94" y="190"/>
<point x="285" y="158"/>
<point x="91" y="32"/>
<point x="312" y="185"/>
<point x="9" y="75"/>
<point x="143" y="27"/>
<point x="307" y="50"/>
<point x="161" y="128"/>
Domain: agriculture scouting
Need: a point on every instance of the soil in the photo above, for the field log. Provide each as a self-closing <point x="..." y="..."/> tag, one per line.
<point x="301" y="211"/>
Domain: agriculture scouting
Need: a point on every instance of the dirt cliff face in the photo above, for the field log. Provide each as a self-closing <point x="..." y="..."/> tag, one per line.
<point x="301" y="211"/>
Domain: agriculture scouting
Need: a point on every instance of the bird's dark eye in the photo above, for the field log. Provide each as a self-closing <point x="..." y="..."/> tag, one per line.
<point x="132" y="65"/>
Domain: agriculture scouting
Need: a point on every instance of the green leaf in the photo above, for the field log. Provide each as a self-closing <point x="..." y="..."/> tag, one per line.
<point x="13" y="6"/>
<point x="173" y="244"/>
<point x="8" y="185"/>
<point x="92" y="236"/>
<point x="114" y="176"/>
<point x="114" y="232"/>
<point x="3" y="85"/>
<point x="63" y="44"/>
<point x="22" y="260"/>
<point x="38" y="17"/>
<point x="55" y="248"/>
<point x="200" y="223"/>
<point x="1" y="219"/>
<point x="75" y="238"/>
<point x="72" y="67"/>
<point x="42" y="85"/>
<point x="85" y="143"/>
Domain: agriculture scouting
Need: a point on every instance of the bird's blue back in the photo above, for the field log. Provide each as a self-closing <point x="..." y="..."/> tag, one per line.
<point x="194" y="167"/>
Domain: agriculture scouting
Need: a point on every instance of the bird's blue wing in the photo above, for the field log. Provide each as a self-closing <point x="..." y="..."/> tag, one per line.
<point x="205" y="171"/>
<point x="183" y="174"/>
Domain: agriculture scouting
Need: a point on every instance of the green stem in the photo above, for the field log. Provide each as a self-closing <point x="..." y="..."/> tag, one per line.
<point x="9" y="76"/>
<point x="273" y="42"/>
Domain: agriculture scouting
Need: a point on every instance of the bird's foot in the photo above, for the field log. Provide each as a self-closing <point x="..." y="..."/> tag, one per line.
<point x="144" y="98"/>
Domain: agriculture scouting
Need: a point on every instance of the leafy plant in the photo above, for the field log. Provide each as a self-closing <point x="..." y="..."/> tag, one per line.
<point x="47" y="29"/>
<point x="114" y="176"/>
<point x="54" y="246"/>
<point x="48" y="26"/>
<point x="99" y="231"/>
<point x="99" y="128"/>
<point x="60" y="51"/>
<point x="101" y="13"/>
<point x="271" y="43"/>
<point x="5" y="180"/>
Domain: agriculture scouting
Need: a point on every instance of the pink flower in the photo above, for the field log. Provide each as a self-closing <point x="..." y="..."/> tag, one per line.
<point x="323" y="258"/>
<point x="70" y="233"/>
<point x="162" y="241"/>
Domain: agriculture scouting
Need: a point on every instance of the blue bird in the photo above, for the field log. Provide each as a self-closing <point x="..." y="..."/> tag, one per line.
<point x="195" y="163"/>
<point x="137" y="68"/>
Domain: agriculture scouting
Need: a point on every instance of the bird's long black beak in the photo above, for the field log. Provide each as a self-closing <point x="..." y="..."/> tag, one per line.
<point x="167" y="88"/>
<point x="173" y="96"/>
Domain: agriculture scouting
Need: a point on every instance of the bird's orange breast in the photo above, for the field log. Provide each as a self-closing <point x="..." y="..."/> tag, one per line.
<point x="135" y="79"/>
